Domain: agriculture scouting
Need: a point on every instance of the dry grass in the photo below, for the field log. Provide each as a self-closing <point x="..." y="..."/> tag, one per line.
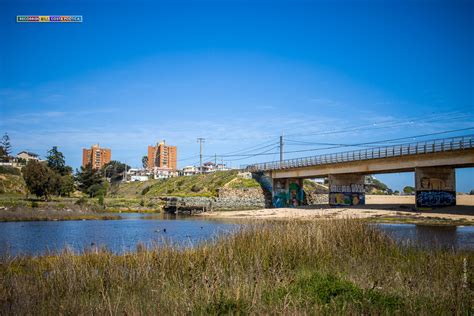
<point x="52" y="215"/>
<point x="334" y="266"/>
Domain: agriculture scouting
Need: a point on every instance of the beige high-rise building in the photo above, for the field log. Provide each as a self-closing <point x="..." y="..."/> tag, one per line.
<point x="96" y="156"/>
<point x="162" y="156"/>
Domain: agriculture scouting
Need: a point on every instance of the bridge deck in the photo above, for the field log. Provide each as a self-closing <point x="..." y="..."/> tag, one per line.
<point x="453" y="147"/>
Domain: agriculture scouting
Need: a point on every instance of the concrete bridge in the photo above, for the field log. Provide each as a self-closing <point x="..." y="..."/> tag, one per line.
<point x="433" y="162"/>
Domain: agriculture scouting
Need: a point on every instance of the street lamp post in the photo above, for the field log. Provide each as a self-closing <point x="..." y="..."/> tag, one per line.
<point x="105" y="172"/>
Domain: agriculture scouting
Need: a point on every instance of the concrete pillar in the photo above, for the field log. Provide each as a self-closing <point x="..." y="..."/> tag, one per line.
<point x="346" y="189"/>
<point x="435" y="187"/>
<point x="287" y="192"/>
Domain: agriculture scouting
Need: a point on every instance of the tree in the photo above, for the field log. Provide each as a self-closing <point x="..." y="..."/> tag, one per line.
<point x="408" y="190"/>
<point x="57" y="162"/>
<point x="145" y="162"/>
<point x="88" y="177"/>
<point x="6" y="148"/>
<point x="97" y="190"/>
<point x="66" y="185"/>
<point x="40" y="179"/>
<point x="114" y="170"/>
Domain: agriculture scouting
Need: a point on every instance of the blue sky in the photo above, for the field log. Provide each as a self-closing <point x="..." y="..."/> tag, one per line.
<point x="238" y="73"/>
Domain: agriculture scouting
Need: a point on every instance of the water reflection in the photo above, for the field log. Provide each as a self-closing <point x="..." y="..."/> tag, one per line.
<point x="118" y="236"/>
<point x="455" y="237"/>
<point x="121" y="236"/>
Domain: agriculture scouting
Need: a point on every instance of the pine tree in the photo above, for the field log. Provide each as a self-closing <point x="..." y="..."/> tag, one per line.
<point x="6" y="148"/>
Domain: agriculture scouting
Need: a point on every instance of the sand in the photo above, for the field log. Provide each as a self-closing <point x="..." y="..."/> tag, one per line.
<point x="382" y="207"/>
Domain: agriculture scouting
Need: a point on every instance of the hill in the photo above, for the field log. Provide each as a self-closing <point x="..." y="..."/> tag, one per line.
<point x="206" y="185"/>
<point x="11" y="181"/>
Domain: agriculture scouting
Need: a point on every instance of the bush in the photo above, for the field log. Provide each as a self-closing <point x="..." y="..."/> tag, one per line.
<point x="81" y="201"/>
<point x="101" y="200"/>
<point x="145" y="190"/>
<point x="34" y="204"/>
<point x="196" y="188"/>
<point x="10" y="170"/>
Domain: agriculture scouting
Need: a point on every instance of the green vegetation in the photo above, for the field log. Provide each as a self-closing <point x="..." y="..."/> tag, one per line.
<point x="40" y="179"/>
<point x="311" y="186"/>
<point x="241" y="183"/>
<point x="5" y="148"/>
<point x="196" y="185"/>
<point x="326" y="267"/>
<point x="50" y="178"/>
<point x="58" y="217"/>
<point x="409" y="190"/>
<point x="90" y="181"/>
<point x="10" y="170"/>
<point x="11" y="184"/>
<point x="115" y="170"/>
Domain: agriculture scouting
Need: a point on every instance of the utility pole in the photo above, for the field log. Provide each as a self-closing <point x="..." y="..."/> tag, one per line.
<point x="200" y="141"/>
<point x="281" y="149"/>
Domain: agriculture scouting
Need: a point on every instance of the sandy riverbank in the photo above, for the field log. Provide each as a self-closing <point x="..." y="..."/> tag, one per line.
<point x="384" y="208"/>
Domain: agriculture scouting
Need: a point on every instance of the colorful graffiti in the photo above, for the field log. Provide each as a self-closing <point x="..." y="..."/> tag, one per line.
<point x="435" y="198"/>
<point x="291" y="197"/>
<point x="347" y="194"/>
<point x="346" y="198"/>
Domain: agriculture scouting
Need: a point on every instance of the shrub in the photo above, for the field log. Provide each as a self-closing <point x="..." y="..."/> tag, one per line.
<point x="81" y="201"/>
<point x="100" y="200"/>
<point x="196" y="188"/>
<point x="10" y="170"/>
<point x="145" y="190"/>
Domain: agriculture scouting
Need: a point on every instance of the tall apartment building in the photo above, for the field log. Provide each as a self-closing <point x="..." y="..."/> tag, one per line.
<point x="96" y="156"/>
<point x="162" y="156"/>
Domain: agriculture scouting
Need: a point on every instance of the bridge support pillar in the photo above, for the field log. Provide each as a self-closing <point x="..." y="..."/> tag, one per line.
<point x="288" y="192"/>
<point x="435" y="187"/>
<point x="346" y="189"/>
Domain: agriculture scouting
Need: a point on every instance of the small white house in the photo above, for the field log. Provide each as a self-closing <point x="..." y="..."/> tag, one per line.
<point x="164" y="173"/>
<point x="27" y="156"/>
<point x="189" y="171"/>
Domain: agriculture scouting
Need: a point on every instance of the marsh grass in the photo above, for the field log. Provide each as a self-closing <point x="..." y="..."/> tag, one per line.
<point x="327" y="267"/>
<point x="52" y="215"/>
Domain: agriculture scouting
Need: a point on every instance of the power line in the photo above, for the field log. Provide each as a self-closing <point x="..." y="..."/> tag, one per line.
<point x="392" y="125"/>
<point x="264" y="153"/>
<point x="355" y="145"/>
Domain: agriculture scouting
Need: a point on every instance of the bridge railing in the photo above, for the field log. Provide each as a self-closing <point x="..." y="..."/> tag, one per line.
<point x="398" y="150"/>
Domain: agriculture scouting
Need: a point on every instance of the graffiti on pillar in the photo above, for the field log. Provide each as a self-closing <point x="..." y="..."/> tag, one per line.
<point x="279" y="193"/>
<point x="345" y="195"/>
<point x="435" y="198"/>
<point x="427" y="183"/>
<point x="283" y="197"/>
<point x="295" y="194"/>
<point x="346" y="198"/>
<point x="435" y="187"/>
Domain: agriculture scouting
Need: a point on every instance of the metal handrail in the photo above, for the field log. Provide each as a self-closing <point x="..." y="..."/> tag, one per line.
<point x="398" y="150"/>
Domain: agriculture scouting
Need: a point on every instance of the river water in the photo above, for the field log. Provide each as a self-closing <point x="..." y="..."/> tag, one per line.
<point x="119" y="236"/>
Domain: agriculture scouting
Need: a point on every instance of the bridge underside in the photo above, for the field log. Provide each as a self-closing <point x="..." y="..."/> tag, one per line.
<point x="434" y="178"/>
